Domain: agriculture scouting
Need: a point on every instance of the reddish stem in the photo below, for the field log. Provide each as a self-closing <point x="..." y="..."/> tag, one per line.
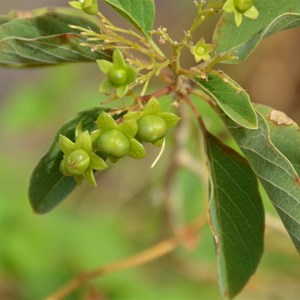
<point x="164" y="91"/>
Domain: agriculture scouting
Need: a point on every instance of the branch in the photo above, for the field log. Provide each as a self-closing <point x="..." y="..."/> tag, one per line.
<point x="143" y="257"/>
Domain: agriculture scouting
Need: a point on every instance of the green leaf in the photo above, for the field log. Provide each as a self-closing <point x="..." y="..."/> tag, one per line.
<point x="237" y="217"/>
<point x="284" y="132"/>
<point x="230" y="97"/>
<point x="273" y="17"/>
<point x="140" y="13"/>
<point x="274" y="170"/>
<point x="45" y="39"/>
<point x="48" y="187"/>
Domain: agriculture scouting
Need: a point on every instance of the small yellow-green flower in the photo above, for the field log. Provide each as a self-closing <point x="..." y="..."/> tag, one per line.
<point x="241" y="8"/>
<point x="201" y="50"/>
<point x="119" y="74"/>
<point x="88" y="6"/>
<point x="79" y="158"/>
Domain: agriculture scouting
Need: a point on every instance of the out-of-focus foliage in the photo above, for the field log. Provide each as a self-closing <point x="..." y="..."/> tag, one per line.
<point x="44" y="37"/>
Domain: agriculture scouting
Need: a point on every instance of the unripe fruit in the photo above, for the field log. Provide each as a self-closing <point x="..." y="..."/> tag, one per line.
<point x="113" y="143"/>
<point x="243" y="5"/>
<point x="76" y="163"/>
<point x="117" y="76"/>
<point x="152" y="128"/>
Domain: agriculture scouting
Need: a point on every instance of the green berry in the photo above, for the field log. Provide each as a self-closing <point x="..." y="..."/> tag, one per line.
<point x="117" y="76"/>
<point x="113" y="143"/>
<point x="152" y="128"/>
<point x="243" y="5"/>
<point x="76" y="163"/>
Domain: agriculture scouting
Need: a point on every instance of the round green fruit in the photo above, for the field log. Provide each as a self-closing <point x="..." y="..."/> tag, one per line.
<point x="243" y="5"/>
<point x="113" y="143"/>
<point x="76" y="163"/>
<point x="152" y="128"/>
<point x="117" y="76"/>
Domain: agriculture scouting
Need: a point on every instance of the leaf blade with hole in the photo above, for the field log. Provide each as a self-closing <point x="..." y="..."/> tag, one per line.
<point x="274" y="170"/>
<point x="284" y="133"/>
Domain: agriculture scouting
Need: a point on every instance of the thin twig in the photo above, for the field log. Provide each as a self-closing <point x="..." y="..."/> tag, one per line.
<point x="164" y="91"/>
<point x="190" y="103"/>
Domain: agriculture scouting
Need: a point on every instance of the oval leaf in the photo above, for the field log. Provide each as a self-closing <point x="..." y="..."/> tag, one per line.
<point x="230" y="97"/>
<point x="275" y="172"/>
<point x="48" y="187"/>
<point x="45" y="39"/>
<point x="140" y="13"/>
<point x="237" y="217"/>
<point x="273" y="17"/>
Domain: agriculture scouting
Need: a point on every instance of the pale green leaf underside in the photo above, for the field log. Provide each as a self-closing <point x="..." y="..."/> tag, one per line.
<point x="286" y="137"/>
<point x="237" y="217"/>
<point x="45" y="39"/>
<point x="48" y="187"/>
<point x="273" y="16"/>
<point x="275" y="172"/>
<point x="230" y="97"/>
<point x="140" y="13"/>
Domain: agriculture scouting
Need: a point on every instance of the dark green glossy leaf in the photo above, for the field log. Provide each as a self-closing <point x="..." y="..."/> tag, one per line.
<point x="274" y="170"/>
<point x="45" y="38"/>
<point x="273" y="16"/>
<point x="285" y="134"/>
<point x="140" y="13"/>
<point x="230" y="97"/>
<point x="237" y="217"/>
<point x="48" y="187"/>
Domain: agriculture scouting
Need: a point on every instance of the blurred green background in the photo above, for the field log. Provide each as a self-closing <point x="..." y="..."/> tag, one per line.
<point x="127" y="212"/>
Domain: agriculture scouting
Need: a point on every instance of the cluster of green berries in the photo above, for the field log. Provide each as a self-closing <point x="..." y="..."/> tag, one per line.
<point x="114" y="141"/>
